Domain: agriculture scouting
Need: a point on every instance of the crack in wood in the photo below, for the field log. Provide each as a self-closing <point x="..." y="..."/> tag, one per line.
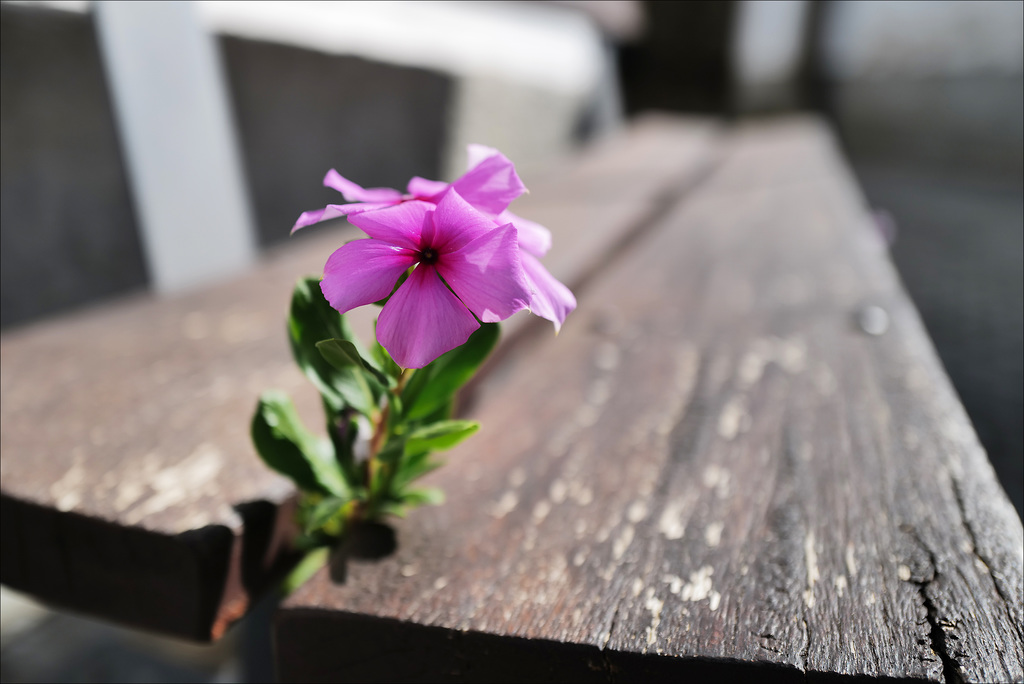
<point x="767" y="636"/>
<point x="951" y="671"/>
<point x="664" y="203"/>
<point x="690" y="432"/>
<point x="805" y="650"/>
<point x="611" y="625"/>
<point x="793" y="470"/>
<point x="609" y="668"/>
<point x="961" y="506"/>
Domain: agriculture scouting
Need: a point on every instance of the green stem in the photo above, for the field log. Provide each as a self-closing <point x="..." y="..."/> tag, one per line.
<point x="375" y="469"/>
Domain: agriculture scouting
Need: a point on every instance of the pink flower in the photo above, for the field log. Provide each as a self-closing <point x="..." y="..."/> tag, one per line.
<point x="489" y="186"/>
<point x="427" y="316"/>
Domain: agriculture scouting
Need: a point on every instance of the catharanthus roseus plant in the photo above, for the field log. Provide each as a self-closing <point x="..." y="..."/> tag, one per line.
<point x="446" y="262"/>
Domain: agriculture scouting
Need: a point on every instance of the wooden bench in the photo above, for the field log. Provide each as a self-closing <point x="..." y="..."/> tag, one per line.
<point x="741" y="454"/>
<point x="128" y="485"/>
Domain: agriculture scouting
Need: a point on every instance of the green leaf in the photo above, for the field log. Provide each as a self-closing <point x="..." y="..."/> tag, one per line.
<point x="392" y="508"/>
<point x="323" y="512"/>
<point x="343" y="354"/>
<point x="432" y="387"/>
<point x="395" y="418"/>
<point x="343" y="431"/>
<point x="311" y="320"/>
<point x="384" y="360"/>
<point x="286" y="446"/>
<point x="358" y="385"/>
<point x="412" y="468"/>
<point x="420" y="497"/>
<point x="439" y="436"/>
<point x="392" y="451"/>
<point x="443" y="412"/>
<point x="306" y="568"/>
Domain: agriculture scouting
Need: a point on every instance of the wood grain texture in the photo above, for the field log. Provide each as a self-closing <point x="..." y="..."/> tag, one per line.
<point x="713" y="470"/>
<point x="130" y="489"/>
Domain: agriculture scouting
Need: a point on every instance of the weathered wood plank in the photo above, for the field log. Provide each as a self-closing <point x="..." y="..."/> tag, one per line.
<point x="129" y="489"/>
<point x="607" y="194"/>
<point x="713" y="470"/>
<point x="129" y="486"/>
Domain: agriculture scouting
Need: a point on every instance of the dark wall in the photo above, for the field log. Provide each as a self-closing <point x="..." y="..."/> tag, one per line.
<point x="958" y="248"/>
<point x="301" y="113"/>
<point x="67" y="229"/>
<point x="681" y="62"/>
<point x="69" y="233"/>
<point x="944" y="155"/>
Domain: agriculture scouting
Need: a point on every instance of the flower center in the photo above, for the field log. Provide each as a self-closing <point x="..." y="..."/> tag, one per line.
<point x="428" y="255"/>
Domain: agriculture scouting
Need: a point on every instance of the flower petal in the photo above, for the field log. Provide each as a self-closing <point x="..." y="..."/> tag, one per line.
<point x="533" y="237"/>
<point x="357" y="193"/>
<point x="456" y="223"/>
<point x="426" y="189"/>
<point x="487" y="275"/>
<point x="423" y="320"/>
<point x="476" y="153"/>
<point x="363" y="272"/>
<point x="334" y="211"/>
<point x="399" y="224"/>
<point x="491" y="185"/>
<point x="551" y="299"/>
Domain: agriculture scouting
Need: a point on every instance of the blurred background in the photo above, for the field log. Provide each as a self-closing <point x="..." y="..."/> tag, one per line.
<point x="113" y="112"/>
